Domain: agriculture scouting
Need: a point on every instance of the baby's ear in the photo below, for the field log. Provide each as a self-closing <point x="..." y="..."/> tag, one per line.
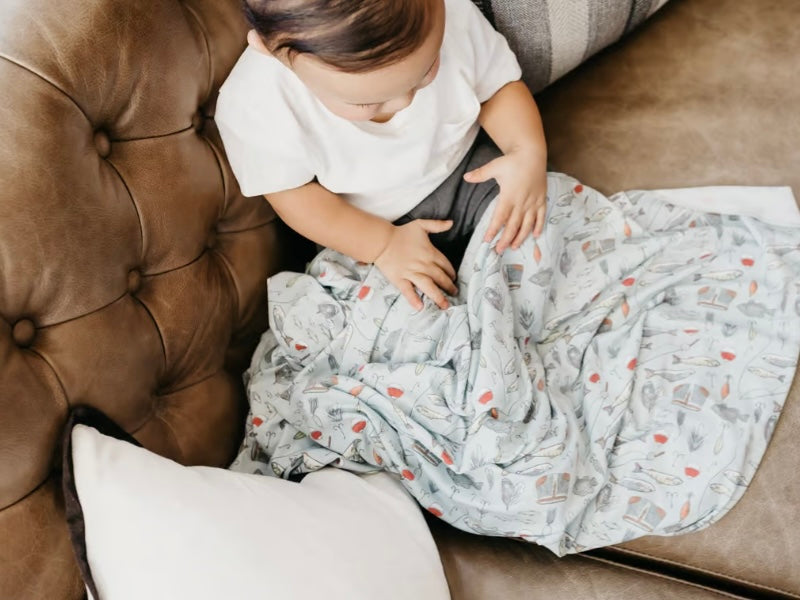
<point x="255" y="41"/>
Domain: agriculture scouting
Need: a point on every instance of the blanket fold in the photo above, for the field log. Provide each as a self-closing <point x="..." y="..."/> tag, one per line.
<point x="619" y="376"/>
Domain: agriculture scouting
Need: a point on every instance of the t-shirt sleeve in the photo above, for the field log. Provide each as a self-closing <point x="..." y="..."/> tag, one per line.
<point x="267" y="151"/>
<point x="495" y="63"/>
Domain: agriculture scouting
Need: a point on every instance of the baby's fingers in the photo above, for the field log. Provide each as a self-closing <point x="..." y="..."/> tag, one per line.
<point x="541" y="213"/>
<point x="410" y="294"/>
<point x="427" y="286"/>
<point x="511" y="229"/>
<point x="527" y="226"/>
<point x="442" y="279"/>
<point x="501" y="213"/>
<point x="445" y="265"/>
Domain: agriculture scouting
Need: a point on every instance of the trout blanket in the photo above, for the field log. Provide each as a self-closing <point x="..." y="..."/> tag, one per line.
<point x="619" y="376"/>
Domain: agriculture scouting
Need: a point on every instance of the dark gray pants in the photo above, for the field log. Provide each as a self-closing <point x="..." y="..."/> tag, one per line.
<point x="455" y="199"/>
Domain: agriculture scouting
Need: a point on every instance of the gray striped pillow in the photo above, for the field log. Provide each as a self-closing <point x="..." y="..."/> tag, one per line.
<point x="551" y="37"/>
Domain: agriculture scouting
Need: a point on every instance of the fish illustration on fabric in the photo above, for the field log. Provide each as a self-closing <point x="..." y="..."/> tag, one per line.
<point x="556" y="219"/>
<point x="652" y="332"/>
<point x="755" y="309"/>
<point x="564" y="200"/>
<point x="735" y="478"/>
<point x="728" y="275"/>
<point x="718" y="488"/>
<point x="665" y="267"/>
<point x="583" y="234"/>
<point x="548" y="452"/>
<point x="669" y="374"/>
<point x="783" y="362"/>
<point x="598" y="215"/>
<point x="621" y="399"/>
<point x="781" y="249"/>
<point x="636" y="485"/>
<point x="696" y="361"/>
<point x="764" y="374"/>
<point x="729" y="413"/>
<point x="658" y="476"/>
<point x="429" y="413"/>
<point x="535" y="470"/>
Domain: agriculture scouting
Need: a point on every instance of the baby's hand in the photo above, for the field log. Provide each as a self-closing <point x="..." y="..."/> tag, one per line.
<point x="522" y="177"/>
<point x="410" y="259"/>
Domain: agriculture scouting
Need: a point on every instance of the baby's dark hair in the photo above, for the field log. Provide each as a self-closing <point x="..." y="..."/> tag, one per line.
<point x="350" y="35"/>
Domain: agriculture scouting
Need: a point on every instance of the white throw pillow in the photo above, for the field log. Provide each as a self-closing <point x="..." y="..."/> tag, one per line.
<point x="155" y="529"/>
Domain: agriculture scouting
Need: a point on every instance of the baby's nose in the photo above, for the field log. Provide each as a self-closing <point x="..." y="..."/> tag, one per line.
<point x="402" y="102"/>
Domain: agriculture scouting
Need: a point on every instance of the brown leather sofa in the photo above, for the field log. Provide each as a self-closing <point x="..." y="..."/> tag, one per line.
<point x="132" y="271"/>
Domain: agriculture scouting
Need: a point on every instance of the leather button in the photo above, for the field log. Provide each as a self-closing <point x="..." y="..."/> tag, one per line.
<point x="134" y="281"/>
<point x="198" y="121"/>
<point x="102" y="143"/>
<point x="212" y="239"/>
<point x="24" y="332"/>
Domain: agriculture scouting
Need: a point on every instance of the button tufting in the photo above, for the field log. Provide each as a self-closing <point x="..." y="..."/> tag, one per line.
<point x="24" y="332"/>
<point x="134" y="281"/>
<point x="102" y="143"/>
<point x="212" y="239"/>
<point x="198" y="120"/>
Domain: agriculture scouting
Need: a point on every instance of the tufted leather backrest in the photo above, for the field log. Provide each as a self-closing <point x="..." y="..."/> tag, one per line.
<point x="132" y="271"/>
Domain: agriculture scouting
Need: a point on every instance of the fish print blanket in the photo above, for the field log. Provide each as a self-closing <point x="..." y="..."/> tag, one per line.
<point x="617" y="377"/>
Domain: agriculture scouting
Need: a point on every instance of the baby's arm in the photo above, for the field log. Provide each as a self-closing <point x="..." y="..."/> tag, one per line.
<point x="404" y="254"/>
<point x="326" y="218"/>
<point x="512" y="120"/>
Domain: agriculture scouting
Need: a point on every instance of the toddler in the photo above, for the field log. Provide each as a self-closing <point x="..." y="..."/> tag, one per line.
<point x="359" y="121"/>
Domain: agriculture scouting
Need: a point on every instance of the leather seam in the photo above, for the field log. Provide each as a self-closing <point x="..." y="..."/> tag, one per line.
<point x="51" y="83"/>
<point x="228" y="274"/>
<point x="662" y="576"/>
<point x="135" y="207"/>
<point x="225" y="189"/>
<point x="50" y="475"/>
<point x="706" y="571"/>
<point x="156" y="326"/>
<point x="207" y="46"/>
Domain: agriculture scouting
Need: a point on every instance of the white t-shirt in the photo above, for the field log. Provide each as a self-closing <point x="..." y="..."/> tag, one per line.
<point x="279" y="136"/>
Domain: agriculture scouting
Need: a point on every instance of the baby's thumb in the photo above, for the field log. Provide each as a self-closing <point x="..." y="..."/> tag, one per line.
<point x="434" y="226"/>
<point x="480" y="174"/>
